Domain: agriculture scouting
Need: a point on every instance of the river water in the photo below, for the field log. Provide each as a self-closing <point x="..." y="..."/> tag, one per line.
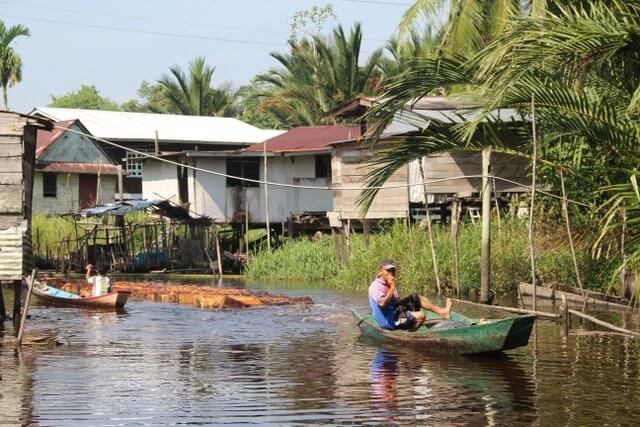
<point x="165" y="364"/>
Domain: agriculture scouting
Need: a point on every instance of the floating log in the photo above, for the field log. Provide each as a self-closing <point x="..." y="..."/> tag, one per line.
<point x="603" y="323"/>
<point x="550" y="293"/>
<point x="540" y="314"/>
<point x="196" y="295"/>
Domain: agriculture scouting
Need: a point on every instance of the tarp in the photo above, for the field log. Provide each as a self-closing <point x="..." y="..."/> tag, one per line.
<point x="161" y="207"/>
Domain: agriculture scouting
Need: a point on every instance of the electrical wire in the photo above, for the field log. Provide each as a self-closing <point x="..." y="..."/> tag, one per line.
<point x="308" y="187"/>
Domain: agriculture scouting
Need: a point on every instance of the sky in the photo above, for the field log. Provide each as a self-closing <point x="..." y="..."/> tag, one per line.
<point x="116" y="44"/>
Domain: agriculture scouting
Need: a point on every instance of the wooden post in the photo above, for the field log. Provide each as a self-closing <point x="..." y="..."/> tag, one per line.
<point x="219" y="258"/>
<point x="266" y="196"/>
<point x="564" y="313"/>
<point x="337" y="246"/>
<point x="120" y="184"/>
<point x="144" y="248"/>
<point x="3" y="311"/>
<point x="434" y="259"/>
<point x="17" y="301"/>
<point x="246" y="223"/>
<point x="156" y="144"/>
<point x="495" y="195"/>
<point x="345" y="241"/>
<point x="565" y="211"/>
<point x="533" y="195"/>
<point x="365" y="232"/>
<point x="23" y="319"/>
<point x="455" y="222"/>
<point x="485" y="270"/>
<point x="290" y="230"/>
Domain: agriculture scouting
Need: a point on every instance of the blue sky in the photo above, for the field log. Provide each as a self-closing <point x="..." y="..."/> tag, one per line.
<point x="67" y="50"/>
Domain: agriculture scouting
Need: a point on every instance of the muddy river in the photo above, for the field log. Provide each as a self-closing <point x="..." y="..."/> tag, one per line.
<point x="166" y="364"/>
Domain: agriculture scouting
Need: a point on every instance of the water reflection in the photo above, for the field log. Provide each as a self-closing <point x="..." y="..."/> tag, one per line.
<point x="160" y="364"/>
<point x="463" y="391"/>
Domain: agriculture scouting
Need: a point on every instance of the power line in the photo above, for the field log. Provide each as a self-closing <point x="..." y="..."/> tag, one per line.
<point x="156" y="33"/>
<point x="309" y="187"/>
<point x="161" y="20"/>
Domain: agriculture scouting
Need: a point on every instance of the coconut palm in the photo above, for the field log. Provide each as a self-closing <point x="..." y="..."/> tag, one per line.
<point x="318" y="74"/>
<point x="193" y="93"/>
<point x="10" y="62"/>
<point x="406" y="52"/>
<point x="580" y="66"/>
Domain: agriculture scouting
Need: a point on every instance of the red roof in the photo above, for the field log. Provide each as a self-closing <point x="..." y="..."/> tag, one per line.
<point x="47" y="137"/>
<point x="308" y="138"/>
<point x="90" y="168"/>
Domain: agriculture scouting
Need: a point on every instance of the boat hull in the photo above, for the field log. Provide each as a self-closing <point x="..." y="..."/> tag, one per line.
<point x="494" y="335"/>
<point x="56" y="296"/>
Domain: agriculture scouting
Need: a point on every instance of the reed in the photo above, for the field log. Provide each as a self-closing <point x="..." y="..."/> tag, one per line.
<point x="409" y="247"/>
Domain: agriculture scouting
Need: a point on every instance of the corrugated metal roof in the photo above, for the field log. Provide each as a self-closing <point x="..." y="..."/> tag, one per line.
<point x="120" y="125"/>
<point x="92" y="168"/>
<point x="47" y="137"/>
<point x="308" y="138"/>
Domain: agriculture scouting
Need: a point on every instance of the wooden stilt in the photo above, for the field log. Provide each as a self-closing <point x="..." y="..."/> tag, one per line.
<point x="485" y="270"/>
<point x="23" y="318"/>
<point x="455" y="216"/>
<point x="3" y="311"/>
<point x="365" y="231"/>
<point x="17" y="301"/>
<point x="434" y="259"/>
<point x="266" y="196"/>
<point x="336" y="246"/>
<point x="345" y="241"/>
<point x="565" y="211"/>
<point x="565" y="316"/>
<point x="218" y="256"/>
<point x="246" y="223"/>
<point x="533" y="195"/>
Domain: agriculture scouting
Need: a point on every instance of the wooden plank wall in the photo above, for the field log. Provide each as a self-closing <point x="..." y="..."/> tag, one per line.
<point x="449" y="165"/>
<point x="17" y="152"/>
<point x="350" y="163"/>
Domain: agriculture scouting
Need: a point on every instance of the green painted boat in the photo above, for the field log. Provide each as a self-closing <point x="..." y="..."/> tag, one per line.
<point x="478" y="336"/>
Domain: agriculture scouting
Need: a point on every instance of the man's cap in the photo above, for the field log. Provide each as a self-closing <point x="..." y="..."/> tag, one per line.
<point x="387" y="264"/>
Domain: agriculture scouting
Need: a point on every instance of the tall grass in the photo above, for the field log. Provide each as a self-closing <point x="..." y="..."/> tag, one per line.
<point x="409" y="247"/>
<point x="298" y="260"/>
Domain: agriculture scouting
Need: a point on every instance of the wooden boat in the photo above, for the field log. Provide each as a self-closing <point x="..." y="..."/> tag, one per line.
<point x="476" y="336"/>
<point x="53" y="295"/>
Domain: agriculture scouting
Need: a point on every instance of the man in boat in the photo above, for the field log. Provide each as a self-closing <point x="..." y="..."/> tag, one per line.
<point x="390" y="311"/>
<point x="100" y="282"/>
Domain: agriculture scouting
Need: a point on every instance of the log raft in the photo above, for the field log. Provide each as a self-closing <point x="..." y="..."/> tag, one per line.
<point x="196" y="295"/>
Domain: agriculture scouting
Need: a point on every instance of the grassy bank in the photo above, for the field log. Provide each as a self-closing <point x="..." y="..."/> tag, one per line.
<point x="409" y="246"/>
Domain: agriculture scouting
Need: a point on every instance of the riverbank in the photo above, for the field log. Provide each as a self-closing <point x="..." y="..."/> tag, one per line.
<point x="308" y="260"/>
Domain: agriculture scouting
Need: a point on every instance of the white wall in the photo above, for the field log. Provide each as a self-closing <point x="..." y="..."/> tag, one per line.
<point x="209" y="195"/>
<point x="207" y="192"/>
<point x="160" y="180"/>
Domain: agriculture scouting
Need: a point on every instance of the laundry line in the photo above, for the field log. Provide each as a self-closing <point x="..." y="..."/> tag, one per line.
<point x="312" y="187"/>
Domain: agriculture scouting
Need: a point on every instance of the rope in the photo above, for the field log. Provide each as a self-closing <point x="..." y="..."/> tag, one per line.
<point x="311" y="187"/>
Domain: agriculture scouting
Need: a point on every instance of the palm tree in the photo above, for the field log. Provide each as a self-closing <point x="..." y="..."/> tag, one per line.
<point x="470" y="24"/>
<point x="580" y="66"/>
<point x="10" y="62"/>
<point x="193" y="94"/>
<point x="318" y="74"/>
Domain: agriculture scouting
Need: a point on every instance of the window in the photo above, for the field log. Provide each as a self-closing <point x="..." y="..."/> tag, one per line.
<point x="133" y="167"/>
<point x="243" y="168"/>
<point x="49" y="184"/>
<point x="323" y="166"/>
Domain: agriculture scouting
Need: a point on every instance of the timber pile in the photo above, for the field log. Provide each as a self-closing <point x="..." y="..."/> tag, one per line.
<point x="199" y="296"/>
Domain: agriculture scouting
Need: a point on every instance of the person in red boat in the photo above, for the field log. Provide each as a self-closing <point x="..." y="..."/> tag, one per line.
<point x="100" y="282"/>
